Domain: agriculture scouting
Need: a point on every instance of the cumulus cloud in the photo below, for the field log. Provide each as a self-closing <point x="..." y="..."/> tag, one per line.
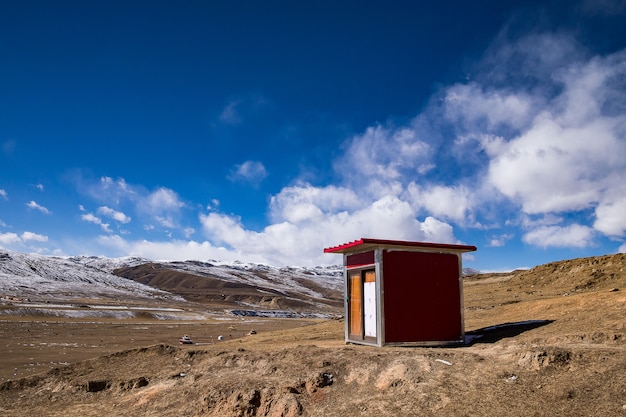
<point x="576" y="235"/>
<point x="162" y="200"/>
<point x="9" y="238"/>
<point x="89" y="217"/>
<point x="163" y="206"/>
<point x="384" y="155"/>
<point x="470" y="104"/>
<point x="170" y="250"/>
<point x="28" y="236"/>
<point x="252" y="172"/>
<point x="299" y="237"/>
<point x="116" y="215"/>
<point x="610" y="218"/>
<point x="499" y="240"/>
<point x="553" y="136"/>
<point x="448" y="202"/>
<point x="13" y="239"/>
<point x="108" y="189"/>
<point x="304" y="202"/>
<point x="160" y="206"/>
<point x="34" y="206"/>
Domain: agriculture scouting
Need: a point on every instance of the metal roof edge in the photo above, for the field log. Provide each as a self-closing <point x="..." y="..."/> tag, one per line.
<point x="369" y="242"/>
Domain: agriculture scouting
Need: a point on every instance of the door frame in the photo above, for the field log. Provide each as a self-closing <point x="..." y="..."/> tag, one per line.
<point x="355" y="305"/>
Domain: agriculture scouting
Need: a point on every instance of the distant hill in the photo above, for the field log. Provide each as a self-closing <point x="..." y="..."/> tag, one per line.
<point x="253" y="285"/>
<point x="220" y="285"/>
<point x="45" y="278"/>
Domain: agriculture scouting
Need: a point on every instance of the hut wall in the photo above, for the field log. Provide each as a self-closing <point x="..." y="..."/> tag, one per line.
<point x="422" y="297"/>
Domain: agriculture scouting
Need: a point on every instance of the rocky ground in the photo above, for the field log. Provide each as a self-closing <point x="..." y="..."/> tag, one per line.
<point x="550" y="341"/>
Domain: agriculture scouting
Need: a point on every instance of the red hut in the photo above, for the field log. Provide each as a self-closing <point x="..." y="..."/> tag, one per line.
<point x="403" y="293"/>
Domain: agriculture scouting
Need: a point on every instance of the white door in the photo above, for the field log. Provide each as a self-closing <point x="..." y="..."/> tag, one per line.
<point x="369" y="303"/>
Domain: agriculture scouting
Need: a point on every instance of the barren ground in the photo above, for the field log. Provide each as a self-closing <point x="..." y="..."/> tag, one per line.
<point x="559" y="350"/>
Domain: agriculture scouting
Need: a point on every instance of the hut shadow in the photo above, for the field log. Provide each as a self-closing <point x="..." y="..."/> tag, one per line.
<point x="492" y="334"/>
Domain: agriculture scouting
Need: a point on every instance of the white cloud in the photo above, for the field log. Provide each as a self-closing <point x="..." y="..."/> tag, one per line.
<point x="34" y="206"/>
<point x="39" y="187"/>
<point x="108" y="189"/>
<point x="576" y="236"/>
<point x="305" y="202"/>
<point x="116" y="215"/>
<point x="252" y="172"/>
<point x="28" y="236"/>
<point x="299" y="240"/>
<point x="610" y="217"/>
<point x="9" y="238"/>
<point x="556" y="169"/>
<point x="13" y="239"/>
<point x="450" y="202"/>
<point x="499" y="240"/>
<point x="171" y="250"/>
<point x="622" y="248"/>
<point x="550" y="126"/>
<point x="166" y="221"/>
<point x="162" y="200"/>
<point x="161" y="206"/>
<point x="471" y="104"/>
<point x="89" y="217"/>
<point x="4" y="194"/>
<point x="383" y="155"/>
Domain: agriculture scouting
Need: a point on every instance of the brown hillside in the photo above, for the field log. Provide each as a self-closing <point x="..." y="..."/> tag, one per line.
<point x="218" y="292"/>
<point x="550" y="341"/>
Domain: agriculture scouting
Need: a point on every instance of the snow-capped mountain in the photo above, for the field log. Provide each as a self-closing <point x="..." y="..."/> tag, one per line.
<point x="38" y="277"/>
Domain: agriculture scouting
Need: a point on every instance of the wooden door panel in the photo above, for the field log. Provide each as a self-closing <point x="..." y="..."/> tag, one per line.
<point x="356" y="305"/>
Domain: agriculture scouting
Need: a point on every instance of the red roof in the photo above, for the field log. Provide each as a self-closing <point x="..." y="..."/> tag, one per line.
<point x="367" y="243"/>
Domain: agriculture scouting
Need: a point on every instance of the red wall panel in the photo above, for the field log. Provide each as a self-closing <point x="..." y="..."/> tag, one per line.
<point x="359" y="259"/>
<point x="422" y="300"/>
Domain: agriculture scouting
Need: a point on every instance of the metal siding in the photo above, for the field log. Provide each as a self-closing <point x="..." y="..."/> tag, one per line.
<point x="421" y="297"/>
<point x="360" y="259"/>
<point x="380" y="291"/>
<point x="345" y="300"/>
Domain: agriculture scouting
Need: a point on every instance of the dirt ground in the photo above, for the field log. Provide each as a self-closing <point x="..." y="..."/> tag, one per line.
<point x="32" y="345"/>
<point x="558" y="348"/>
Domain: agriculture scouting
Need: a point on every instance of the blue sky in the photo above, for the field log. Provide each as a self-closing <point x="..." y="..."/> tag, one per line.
<point x="266" y="131"/>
